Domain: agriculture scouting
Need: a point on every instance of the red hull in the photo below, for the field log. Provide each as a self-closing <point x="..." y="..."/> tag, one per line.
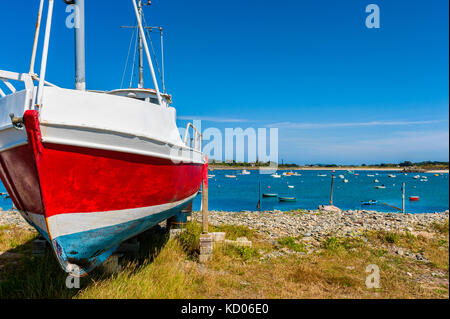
<point x="50" y="179"/>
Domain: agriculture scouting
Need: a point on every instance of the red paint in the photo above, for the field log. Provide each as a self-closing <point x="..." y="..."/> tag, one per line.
<point x="68" y="179"/>
<point x="19" y="175"/>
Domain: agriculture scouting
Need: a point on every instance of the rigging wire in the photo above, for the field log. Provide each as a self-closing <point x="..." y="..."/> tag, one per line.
<point x="126" y="62"/>
<point x="134" y="61"/>
<point x="153" y="49"/>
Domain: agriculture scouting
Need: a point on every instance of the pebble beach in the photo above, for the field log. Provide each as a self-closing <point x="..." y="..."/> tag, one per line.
<point x="305" y="223"/>
<point x="318" y="224"/>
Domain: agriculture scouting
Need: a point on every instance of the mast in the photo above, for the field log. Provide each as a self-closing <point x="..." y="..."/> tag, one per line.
<point x="80" y="57"/>
<point x="147" y="52"/>
<point x="141" y="53"/>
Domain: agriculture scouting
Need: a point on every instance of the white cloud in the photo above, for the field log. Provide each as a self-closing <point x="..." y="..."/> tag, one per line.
<point x="213" y="119"/>
<point x="303" y="125"/>
<point x="398" y="146"/>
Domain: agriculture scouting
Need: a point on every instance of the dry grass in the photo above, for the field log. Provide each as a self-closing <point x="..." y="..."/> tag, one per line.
<point x="336" y="270"/>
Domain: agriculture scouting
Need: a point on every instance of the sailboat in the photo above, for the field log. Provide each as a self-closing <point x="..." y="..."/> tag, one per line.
<point x="91" y="169"/>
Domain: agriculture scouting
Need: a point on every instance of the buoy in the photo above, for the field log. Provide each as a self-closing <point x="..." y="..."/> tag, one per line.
<point x="414" y="198"/>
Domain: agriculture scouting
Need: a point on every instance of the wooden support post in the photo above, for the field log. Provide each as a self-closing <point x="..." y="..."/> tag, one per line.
<point x="205" y="198"/>
<point x="205" y="207"/>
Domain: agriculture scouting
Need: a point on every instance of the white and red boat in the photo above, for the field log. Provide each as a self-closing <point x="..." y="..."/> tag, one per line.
<point x="89" y="169"/>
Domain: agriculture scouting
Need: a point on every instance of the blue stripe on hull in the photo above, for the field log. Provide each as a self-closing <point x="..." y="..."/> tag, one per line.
<point x="90" y="249"/>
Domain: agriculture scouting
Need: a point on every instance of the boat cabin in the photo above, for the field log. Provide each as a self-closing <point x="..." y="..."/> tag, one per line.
<point x="147" y="95"/>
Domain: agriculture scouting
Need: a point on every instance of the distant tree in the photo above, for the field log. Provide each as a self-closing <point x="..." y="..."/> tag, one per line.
<point x="406" y="164"/>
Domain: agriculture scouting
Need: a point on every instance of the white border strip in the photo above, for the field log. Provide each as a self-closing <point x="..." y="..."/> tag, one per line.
<point x="67" y="224"/>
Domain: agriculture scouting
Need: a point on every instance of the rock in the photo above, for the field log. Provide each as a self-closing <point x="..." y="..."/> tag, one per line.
<point x="329" y="208"/>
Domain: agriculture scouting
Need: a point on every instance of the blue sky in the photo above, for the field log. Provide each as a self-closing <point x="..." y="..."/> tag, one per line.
<point x="338" y="91"/>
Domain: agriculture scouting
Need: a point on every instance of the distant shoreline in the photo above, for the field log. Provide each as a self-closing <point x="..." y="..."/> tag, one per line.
<point x="393" y="169"/>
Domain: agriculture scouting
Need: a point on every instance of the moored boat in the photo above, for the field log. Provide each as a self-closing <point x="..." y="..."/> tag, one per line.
<point x="287" y="199"/>
<point x="369" y="202"/>
<point x="88" y="169"/>
<point x="270" y="195"/>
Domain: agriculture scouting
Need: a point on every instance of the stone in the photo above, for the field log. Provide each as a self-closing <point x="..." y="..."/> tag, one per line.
<point x="218" y="237"/>
<point x="329" y="208"/>
<point x="206" y="247"/>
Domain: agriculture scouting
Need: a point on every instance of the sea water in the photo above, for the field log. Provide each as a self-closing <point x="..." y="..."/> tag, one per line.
<point x="311" y="190"/>
<point x="242" y="193"/>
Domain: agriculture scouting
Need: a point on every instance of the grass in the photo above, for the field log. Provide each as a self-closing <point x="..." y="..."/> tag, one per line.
<point x="441" y="228"/>
<point x="292" y="243"/>
<point x="168" y="268"/>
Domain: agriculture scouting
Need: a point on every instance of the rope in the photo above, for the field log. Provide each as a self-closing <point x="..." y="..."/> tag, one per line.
<point x="390" y="206"/>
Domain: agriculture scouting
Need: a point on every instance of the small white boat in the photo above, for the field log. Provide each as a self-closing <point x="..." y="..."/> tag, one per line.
<point x="211" y="176"/>
<point x="424" y="180"/>
<point x="297" y="174"/>
<point x="376" y="181"/>
<point x="370" y="175"/>
<point x="322" y="175"/>
<point x="380" y="187"/>
<point x="416" y="177"/>
<point x="392" y="176"/>
<point x="341" y="176"/>
<point x="230" y="176"/>
<point x="290" y="186"/>
<point x="245" y="172"/>
<point x="276" y="175"/>
<point x="345" y="180"/>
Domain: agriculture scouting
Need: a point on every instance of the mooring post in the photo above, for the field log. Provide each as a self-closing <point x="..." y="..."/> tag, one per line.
<point x="331" y="196"/>
<point x="403" y="198"/>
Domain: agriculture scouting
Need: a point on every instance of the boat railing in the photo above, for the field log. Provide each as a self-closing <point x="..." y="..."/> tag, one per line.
<point x="6" y="77"/>
<point x="195" y="141"/>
